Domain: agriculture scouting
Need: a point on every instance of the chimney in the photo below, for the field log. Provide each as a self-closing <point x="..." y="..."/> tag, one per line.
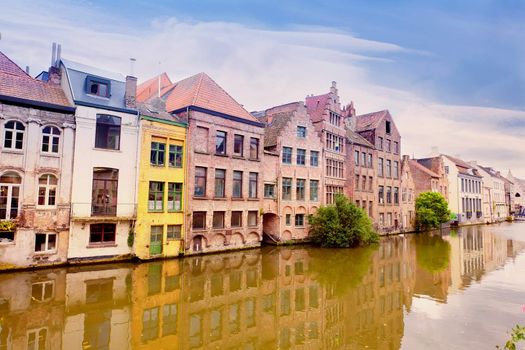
<point x="27" y="70"/>
<point x="131" y="92"/>
<point x="406" y="158"/>
<point x="54" y="70"/>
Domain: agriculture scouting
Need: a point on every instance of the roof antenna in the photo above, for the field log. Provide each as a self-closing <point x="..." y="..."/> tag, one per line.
<point x="132" y="66"/>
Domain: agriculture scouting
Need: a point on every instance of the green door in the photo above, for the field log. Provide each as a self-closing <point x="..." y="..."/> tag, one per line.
<point x="155" y="243"/>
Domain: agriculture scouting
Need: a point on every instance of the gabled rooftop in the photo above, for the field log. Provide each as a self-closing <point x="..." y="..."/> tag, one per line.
<point x="316" y="106"/>
<point x="18" y="86"/>
<point x="203" y="92"/>
<point x="370" y="121"/>
<point x="150" y="88"/>
<point x="354" y="137"/>
<point x="415" y="166"/>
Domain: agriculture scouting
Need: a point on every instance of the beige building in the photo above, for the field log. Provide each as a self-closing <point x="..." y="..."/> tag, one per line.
<point x="36" y="158"/>
<point x="292" y="189"/>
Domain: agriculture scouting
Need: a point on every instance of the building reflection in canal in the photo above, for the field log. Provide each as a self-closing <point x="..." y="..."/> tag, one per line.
<point x="272" y="298"/>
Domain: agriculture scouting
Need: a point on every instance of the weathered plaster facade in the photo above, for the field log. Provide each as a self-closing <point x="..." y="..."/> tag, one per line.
<point x="408" y="199"/>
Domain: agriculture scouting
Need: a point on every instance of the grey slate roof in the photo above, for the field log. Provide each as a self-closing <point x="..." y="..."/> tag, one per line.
<point x="77" y="74"/>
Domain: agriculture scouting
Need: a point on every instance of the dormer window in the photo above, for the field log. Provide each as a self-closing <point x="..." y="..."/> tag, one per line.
<point x="98" y="87"/>
<point x="388" y="127"/>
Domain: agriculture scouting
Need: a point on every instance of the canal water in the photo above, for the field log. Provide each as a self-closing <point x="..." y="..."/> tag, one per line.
<point x="462" y="289"/>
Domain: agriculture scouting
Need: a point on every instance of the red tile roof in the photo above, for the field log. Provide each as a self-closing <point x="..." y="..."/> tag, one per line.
<point x="149" y="88"/>
<point x="415" y="166"/>
<point x="316" y="106"/>
<point x="371" y="120"/>
<point x="14" y="82"/>
<point x="202" y="91"/>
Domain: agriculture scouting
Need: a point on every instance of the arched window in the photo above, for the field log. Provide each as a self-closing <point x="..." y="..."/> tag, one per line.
<point x="14" y="135"/>
<point x="50" y="139"/>
<point x="47" y="190"/>
<point x="9" y="195"/>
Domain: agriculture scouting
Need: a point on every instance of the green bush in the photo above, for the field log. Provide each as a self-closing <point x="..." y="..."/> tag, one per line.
<point x="432" y="252"/>
<point x="516" y="336"/>
<point x="431" y="211"/>
<point x="341" y="225"/>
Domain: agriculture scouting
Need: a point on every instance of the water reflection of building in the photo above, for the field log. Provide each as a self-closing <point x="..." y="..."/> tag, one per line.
<point x="97" y="313"/>
<point x="32" y="310"/>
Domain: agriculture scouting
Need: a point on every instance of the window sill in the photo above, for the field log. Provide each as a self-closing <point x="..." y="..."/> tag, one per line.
<point x="237" y="157"/>
<point x="107" y="149"/>
<point x="157" y="165"/>
<point x="12" y="151"/>
<point x="222" y="155"/>
<point x="199" y="230"/>
<point x="274" y="198"/>
<point x="216" y="229"/>
<point x="173" y="240"/>
<point x="155" y="211"/>
<point x="253" y="226"/>
<point x="101" y="245"/>
<point x="50" y="155"/>
<point x="45" y="253"/>
<point x="219" y="198"/>
<point x="239" y="199"/>
<point x="201" y="152"/>
<point x="253" y="199"/>
<point x="175" y="211"/>
<point x="174" y="167"/>
<point x="199" y="197"/>
<point x="7" y="244"/>
<point x="254" y="159"/>
<point x="45" y="207"/>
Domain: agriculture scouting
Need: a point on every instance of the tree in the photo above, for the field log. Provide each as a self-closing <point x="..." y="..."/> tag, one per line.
<point x="341" y="225"/>
<point x="431" y="211"/>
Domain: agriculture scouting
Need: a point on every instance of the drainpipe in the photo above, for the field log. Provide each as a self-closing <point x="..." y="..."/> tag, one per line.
<point x="137" y="170"/>
<point x="186" y="181"/>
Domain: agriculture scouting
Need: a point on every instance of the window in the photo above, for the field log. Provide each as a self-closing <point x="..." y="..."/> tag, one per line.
<point x="462" y="185"/>
<point x="388" y="127"/>
<point x="335" y="119"/>
<point x="334" y="142"/>
<point x="396" y="170"/>
<point x="389" y="194"/>
<point x="102" y="233"/>
<point x="220" y="143"/>
<point x="169" y="319"/>
<point x="314" y="190"/>
<point x="14" y="135"/>
<point x="45" y="242"/>
<point x="175" y="156"/>
<point x="43" y="291"/>
<point x="156" y="196"/>
<point x="357" y="182"/>
<point x="287" y="188"/>
<point x="269" y="191"/>
<point x="150" y="324"/>
<point x="299" y="189"/>
<point x="237" y="184"/>
<point x="218" y="219"/>
<point x="446" y="169"/>
<point x="301" y="132"/>
<point x="288" y="219"/>
<point x="220" y="183"/>
<point x="380" y="143"/>
<point x="331" y="192"/>
<point x="200" y="182"/>
<point x="396" y="195"/>
<point x="356" y="158"/>
<point x="334" y="168"/>
<point x="9" y="195"/>
<point x="98" y="87"/>
<point x="108" y="132"/>
<point x="287" y="155"/>
<point x="201" y="139"/>
<point x="158" y="151"/>
<point x="47" y="188"/>
<point x="105" y="190"/>
<point x="299" y="220"/>
<point x="363" y="159"/>
<point x="363" y="186"/>
<point x="380" y="167"/>
<point x="388" y="168"/>
<point x="381" y="194"/>
<point x="50" y="139"/>
<point x="388" y="146"/>
<point x="238" y="145"/>
<point x="254" y="148"/>
<point x="252" y="218"/>
<point x="370" y="183"/>
<point x="370" y="165"/>
<point x="314" y="158"/>
<point x="236" y="219"/>
<point x="396" y="147"/>
<point x="174" y="232"/>
<point x="252" y="186"/>
<point x="174" y="196"/>
<point x="199" y="220"/>
<point x="37" y="339"/>
<point x="301" y="156"/>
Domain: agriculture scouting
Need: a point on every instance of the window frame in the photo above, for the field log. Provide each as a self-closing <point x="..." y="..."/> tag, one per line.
<point x="220" y="181"/>
<point x="109" y="126"/>
<point x="287" y="184"/>
<point x="253" y="184"/>
<point x="174" y="189"/>
<point x="237" y="179"/>
<point x="302" y="220"/>
<point x="254" y="148"/>
<point x="18" y="129"/>
<point x="219" y="215"/>
<point x="316" y="192"/>
<point x="198" y="213"/>
<point x="301" y="131"/>
<point x="221" y="135"/>
<point x="266" y="195"/>
<point x="300" y="189"/>
<point x="287" y="157"/>
<point x="157" y="154"/>
<point x="316" y="153"/>
<point x="169" y="234"/>
<point x="46" y="243"/>
<point x="300" y="157"/>
<point x="155" y="193"/>
<point x="236" y="139"/>
<point x="177" y="151"/>
<point x="103" y="233"/>
<point x="52" y="136"/>
<point x="253" y="213"/>
<point x="237" y="212"/>
<point x="196" y="181"/>
<point x="90" y="81"/>
<point x="48" y="188"/>
<point x="8" y="188"/>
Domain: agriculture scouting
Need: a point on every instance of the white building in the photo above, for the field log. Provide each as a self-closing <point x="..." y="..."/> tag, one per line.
<point x="495" y="207"/>
<point x="105" y="161"/>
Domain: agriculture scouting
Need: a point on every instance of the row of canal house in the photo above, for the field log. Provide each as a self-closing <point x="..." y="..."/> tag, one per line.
<point x="94" y="167"/>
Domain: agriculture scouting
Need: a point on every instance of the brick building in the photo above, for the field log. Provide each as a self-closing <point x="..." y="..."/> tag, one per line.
<point x="224" y="178"/>
<point x="328" y="120"/>
<point x="430" y="175"/>
<point x="379" y="129"/>
<point x="408" y="199"/>
<point x="36" y="159"/>
<point x="361" y="157"/>
<point x="296" y="182"/>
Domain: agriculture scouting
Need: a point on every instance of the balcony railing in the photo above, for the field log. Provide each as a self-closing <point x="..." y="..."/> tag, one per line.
<point x="104" y="210"/>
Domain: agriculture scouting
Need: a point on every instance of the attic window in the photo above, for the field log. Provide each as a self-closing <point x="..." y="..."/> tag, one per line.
<point x="97" y="86"/>
<point x="388" y="127"/>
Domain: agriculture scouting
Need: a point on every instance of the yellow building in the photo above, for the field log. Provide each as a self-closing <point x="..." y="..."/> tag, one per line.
<point x="159" y="229"/>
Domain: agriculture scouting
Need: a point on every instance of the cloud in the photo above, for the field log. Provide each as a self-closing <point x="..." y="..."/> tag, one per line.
<point x="262" y="68"/>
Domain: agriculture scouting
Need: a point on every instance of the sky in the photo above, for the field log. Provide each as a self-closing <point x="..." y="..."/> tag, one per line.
<point x="451" y="73"/>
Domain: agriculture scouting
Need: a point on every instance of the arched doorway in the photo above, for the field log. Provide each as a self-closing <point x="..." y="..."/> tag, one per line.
<point x="271" y="225"/>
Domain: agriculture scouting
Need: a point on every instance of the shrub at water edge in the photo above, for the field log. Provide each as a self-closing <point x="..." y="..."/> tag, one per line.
<point x="431" y="211"/>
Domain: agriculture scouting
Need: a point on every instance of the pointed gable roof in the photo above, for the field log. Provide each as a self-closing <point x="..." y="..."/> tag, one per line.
<point x="202" y="91"/>
<point x="15" y="83"/>
<point x="149" y="88"/>
<point x="370" y="121"/>
<point x="354" y="137"/>
<point x="416" y="166"/>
